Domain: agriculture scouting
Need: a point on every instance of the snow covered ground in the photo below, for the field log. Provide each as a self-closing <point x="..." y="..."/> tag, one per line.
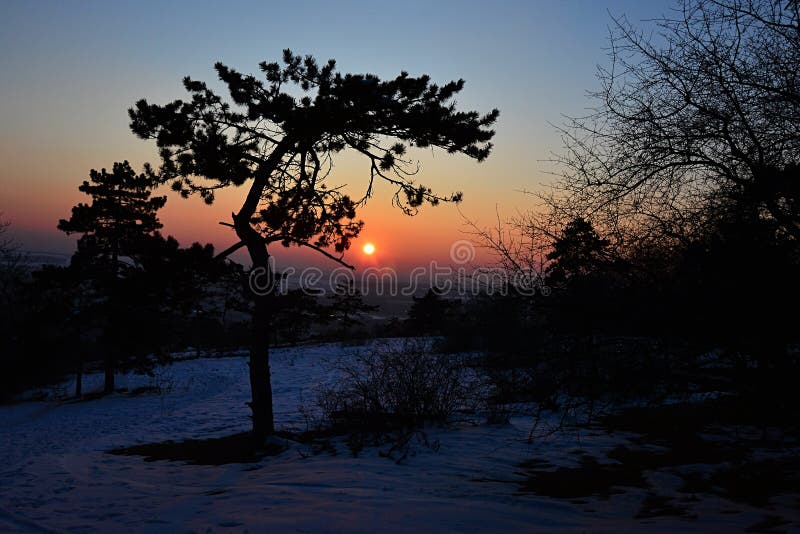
<point x="55" y="473"/>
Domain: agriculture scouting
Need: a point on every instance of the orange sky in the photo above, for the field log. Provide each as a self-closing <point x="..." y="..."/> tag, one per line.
<point x="39" y="189"/>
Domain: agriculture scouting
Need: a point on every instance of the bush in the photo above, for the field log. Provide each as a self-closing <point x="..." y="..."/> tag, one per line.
<point x="405" y="386"/>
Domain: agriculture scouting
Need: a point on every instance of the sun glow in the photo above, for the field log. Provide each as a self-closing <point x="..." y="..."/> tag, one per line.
<point x="369" y="249"/>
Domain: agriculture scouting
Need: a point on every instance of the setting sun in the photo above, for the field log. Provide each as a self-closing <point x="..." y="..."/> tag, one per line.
<point x="369" y="249"/>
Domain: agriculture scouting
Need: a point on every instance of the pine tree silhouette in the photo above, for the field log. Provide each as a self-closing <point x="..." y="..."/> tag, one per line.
<point x="116" y="225"/>
<point x="280" y="135"/>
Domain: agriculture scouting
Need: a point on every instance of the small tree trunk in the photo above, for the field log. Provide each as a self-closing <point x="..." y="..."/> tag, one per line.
<point x="109" y="370"/>
<point x="79" y="378"/>
<point x="116" y="326"/>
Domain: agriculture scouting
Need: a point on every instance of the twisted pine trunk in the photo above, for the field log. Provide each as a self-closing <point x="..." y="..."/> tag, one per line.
<point x="260" y="376"/>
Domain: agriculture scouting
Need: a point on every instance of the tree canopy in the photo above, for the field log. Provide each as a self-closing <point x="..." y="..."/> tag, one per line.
<point x="284" y="143"/>
<point x="122" y="213"/>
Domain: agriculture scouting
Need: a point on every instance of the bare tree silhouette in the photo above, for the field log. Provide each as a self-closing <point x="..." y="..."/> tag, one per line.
<point x="695" y="118"/>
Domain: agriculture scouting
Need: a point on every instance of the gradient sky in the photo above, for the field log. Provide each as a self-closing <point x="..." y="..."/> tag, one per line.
<point x="72" y="69"/>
